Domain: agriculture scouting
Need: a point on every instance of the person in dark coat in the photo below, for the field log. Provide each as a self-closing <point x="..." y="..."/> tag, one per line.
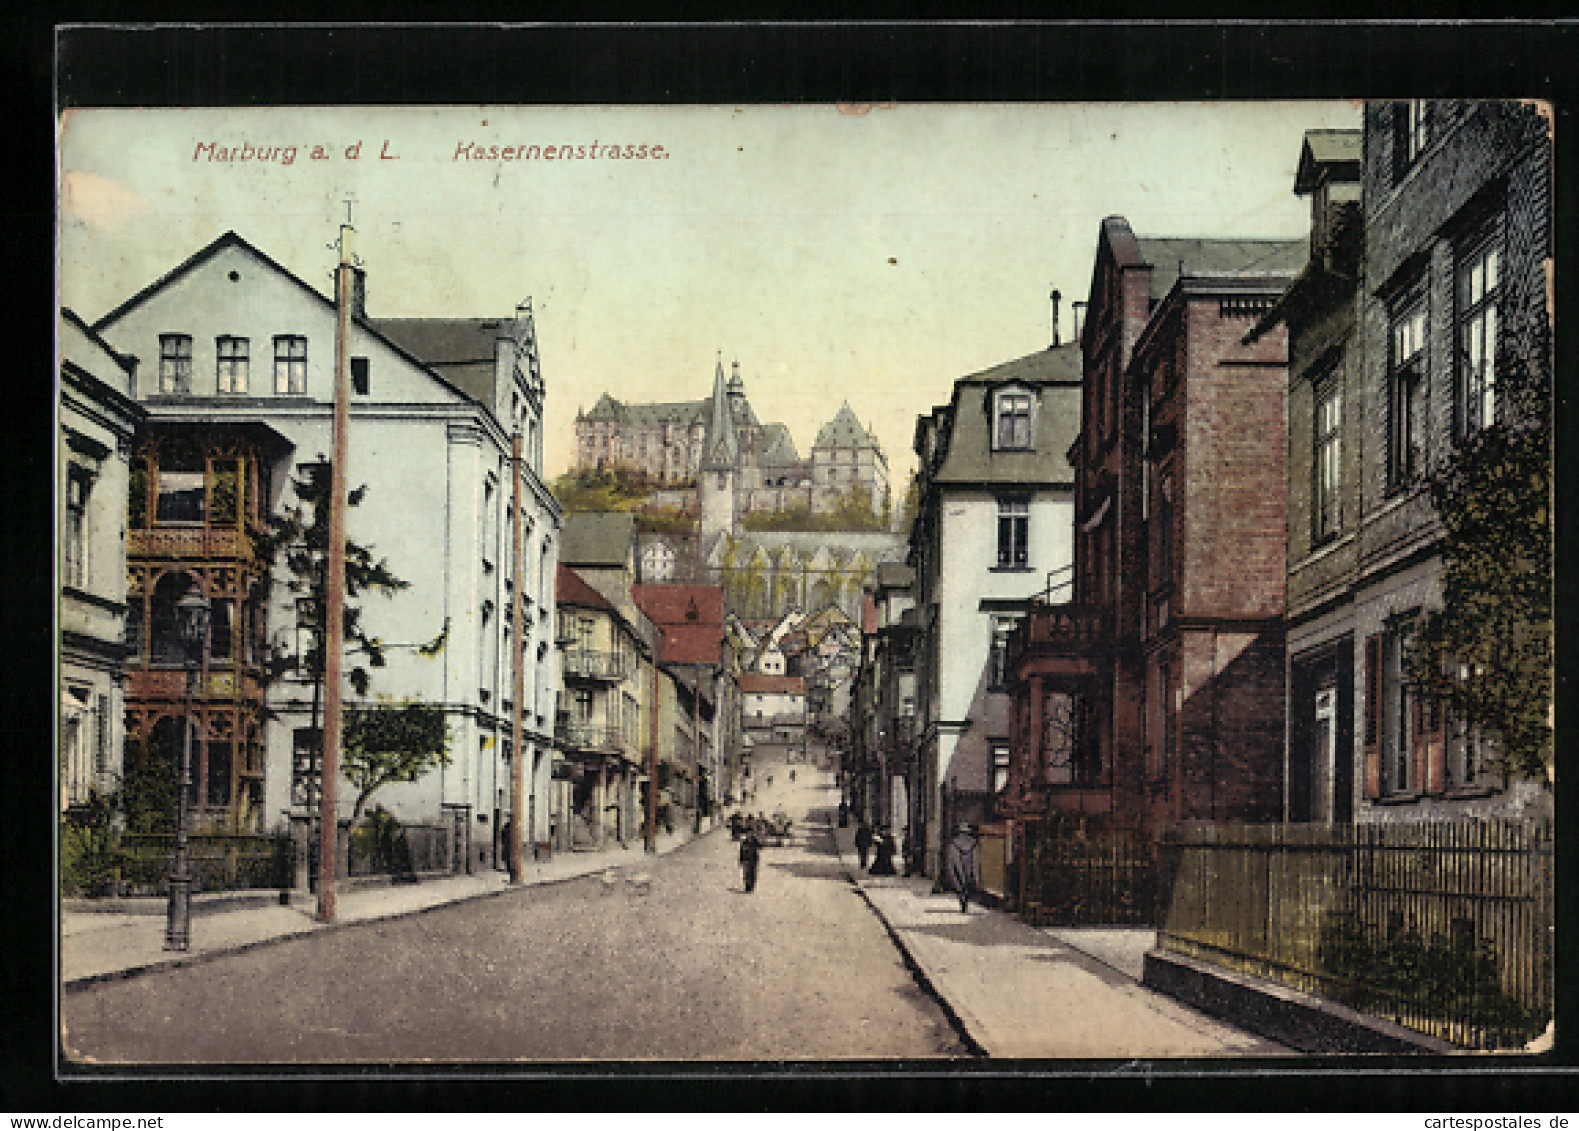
<point x="863" y="843"/>
<point x="884" y="864"/>
<point x="962" y="865"/>
<point x="750" y="853"/>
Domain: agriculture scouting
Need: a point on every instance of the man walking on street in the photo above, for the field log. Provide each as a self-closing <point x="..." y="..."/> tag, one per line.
<point x="962" y="865"/>
<point x="863" y="842"/>
<point x="750" y="851"/>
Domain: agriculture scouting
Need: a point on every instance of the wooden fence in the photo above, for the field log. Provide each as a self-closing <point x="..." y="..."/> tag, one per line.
<point x="1442" y="927"/>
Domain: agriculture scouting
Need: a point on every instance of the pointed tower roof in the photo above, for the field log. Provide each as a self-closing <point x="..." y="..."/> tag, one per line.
<point x="721" y="449"/>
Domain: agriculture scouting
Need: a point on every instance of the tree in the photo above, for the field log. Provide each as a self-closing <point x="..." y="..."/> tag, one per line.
<point x="298" y="539"/>
<point x="392" y="742"/>
<point x="911" y="506"/>
<point x="1488" y="650"/>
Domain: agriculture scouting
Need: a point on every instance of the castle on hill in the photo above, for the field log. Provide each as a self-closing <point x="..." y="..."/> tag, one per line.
<point x="751" y="467"/>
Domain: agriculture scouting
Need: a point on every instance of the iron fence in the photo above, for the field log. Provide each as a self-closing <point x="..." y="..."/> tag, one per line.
<point x="1445" y="928"/>
<point x="220" y="861"/>
<point x="1084" y="870"/>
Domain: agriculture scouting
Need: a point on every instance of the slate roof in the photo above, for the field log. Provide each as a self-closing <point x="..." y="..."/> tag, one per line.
<point x="845" y="431"/>
<point x="970" y="457"/>
<point x="598" y="538"/>
<point x="462" y="349"/>
<point x="685" y="639"/>
<point x="778" y="446"/>
<point x="1339" y="150"/>
<point x="1169" y="258"/>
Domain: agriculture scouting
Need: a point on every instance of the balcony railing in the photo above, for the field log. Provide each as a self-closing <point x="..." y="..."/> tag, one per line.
<point x="189" y="542"/>
<point x="170" y="683"/>
<point x="585" y="663"/>
<point x="591" y="738"/>
<point x="1065" y="628"/>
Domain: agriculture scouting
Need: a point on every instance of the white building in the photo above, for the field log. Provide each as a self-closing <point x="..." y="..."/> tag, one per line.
<point x="239" y="389"/>
<point x="995" y="527"/>
<point x="97" y="417"/>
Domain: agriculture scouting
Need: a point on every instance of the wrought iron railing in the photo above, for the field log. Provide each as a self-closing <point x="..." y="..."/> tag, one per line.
<point x="585" y="663"/>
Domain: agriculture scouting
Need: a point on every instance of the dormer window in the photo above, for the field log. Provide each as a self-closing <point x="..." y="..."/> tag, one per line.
<point x="1012" y="409"/>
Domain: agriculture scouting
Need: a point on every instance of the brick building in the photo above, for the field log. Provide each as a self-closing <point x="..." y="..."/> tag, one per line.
<point x="1157" y="693"/>
<point x="1394" y="368"/>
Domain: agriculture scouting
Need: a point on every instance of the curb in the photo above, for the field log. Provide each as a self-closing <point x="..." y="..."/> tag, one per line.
<point x="1279" y="1013"/>
<point x="917" y="970"/>
<point x="76" y="985"/>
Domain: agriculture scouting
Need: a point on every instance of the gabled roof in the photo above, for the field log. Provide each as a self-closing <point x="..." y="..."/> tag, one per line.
<point x="463" y="349"/>
<point x="571" y="590"/>
<point x="232" y="240"/>
<point x="844" y="431"/>
<point x="689" y="617"/>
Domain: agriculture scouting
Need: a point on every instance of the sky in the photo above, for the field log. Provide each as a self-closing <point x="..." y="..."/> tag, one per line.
<point x="861" y="254"/>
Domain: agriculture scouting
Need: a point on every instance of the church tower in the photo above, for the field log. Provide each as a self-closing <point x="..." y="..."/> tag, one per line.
<point x="720" y="466"/>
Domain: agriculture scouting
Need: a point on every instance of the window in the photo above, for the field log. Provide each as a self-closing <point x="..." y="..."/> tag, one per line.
<point x="360" y="381"/>
<point x="1397" y="716"/>
<point x="304" y="766"/>
<point x="1412" y="132"/>
<point x="1476" y="392"/>
<point x="1014" y="520"/>
<point x="74" y="566"/>
<point x="1326" y="461"/>
<point x="306" y="633"/>
<point x="1406" y="394"/>
<point x="231" y="364"/>
<point x="1000" y="768"/>
<point x="175" y="363"/>
<point x="1161" y="529"/>
<point x="998" y="663"/>
<point x="290" y="364"/>
<point x="1014" y="420"/>
<point x="1471" y="754"/>
<point x="182" y="490"/>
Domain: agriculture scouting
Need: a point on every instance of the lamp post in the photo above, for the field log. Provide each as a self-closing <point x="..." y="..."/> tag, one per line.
<point x="192" y="612"/>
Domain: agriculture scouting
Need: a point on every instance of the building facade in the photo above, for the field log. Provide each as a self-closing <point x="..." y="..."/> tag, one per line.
<point x="1156" y="695"/>
<point x="239" y="399"/>
<point x="98" y="416"/>
<point x="994" y="528"/>
<point x="1454" y="301"/>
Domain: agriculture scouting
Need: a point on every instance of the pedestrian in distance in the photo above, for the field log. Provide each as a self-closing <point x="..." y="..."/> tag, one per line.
<point x="884" y="864"/>
<point x="863" y="843"/>
<point x="962" y="865"/>
<point x="750" y="854"/>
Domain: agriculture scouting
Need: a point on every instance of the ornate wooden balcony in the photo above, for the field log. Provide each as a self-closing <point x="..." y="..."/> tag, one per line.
<point x="170" y="683"/>
<point x="189" y="543"/>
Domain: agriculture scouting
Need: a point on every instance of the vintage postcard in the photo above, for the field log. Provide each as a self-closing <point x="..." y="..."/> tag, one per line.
<point x="860" y="583"/>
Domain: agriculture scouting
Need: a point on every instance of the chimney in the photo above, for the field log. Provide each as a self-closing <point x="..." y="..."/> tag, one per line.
<point x="1079" y="309"/>
<point x="1055" y="296"/>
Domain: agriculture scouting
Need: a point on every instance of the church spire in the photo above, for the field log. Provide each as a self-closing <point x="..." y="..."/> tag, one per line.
<point x="720" y="449"/>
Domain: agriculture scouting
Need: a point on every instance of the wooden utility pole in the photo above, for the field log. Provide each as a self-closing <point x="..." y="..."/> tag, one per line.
<point x="334" y="584"/>
<point x="518" y="674"/>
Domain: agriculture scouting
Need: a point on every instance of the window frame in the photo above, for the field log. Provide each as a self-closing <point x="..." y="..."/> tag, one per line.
<point x="1014" y="409"/>
<point x="290" y="365"/>
<point x="175" y="364"/>
<point x="1326" y="458"/>
<point x="74" y="556"/>
<point x="1482" y="249"/>
<point x="1407" y="391"/>
<point x="232" y="365"/>
<point x="1014" y="533"/>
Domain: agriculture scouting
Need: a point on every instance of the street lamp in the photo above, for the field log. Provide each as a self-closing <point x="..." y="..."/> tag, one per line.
<point x="191" y="624"/>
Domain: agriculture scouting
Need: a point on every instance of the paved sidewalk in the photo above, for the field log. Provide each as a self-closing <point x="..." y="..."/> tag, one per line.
<point x="1022" y="992"/>
<point x="96" y="945"/>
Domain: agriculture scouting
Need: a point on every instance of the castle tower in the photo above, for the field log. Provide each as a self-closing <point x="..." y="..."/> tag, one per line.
<point x="716" y="477"/>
